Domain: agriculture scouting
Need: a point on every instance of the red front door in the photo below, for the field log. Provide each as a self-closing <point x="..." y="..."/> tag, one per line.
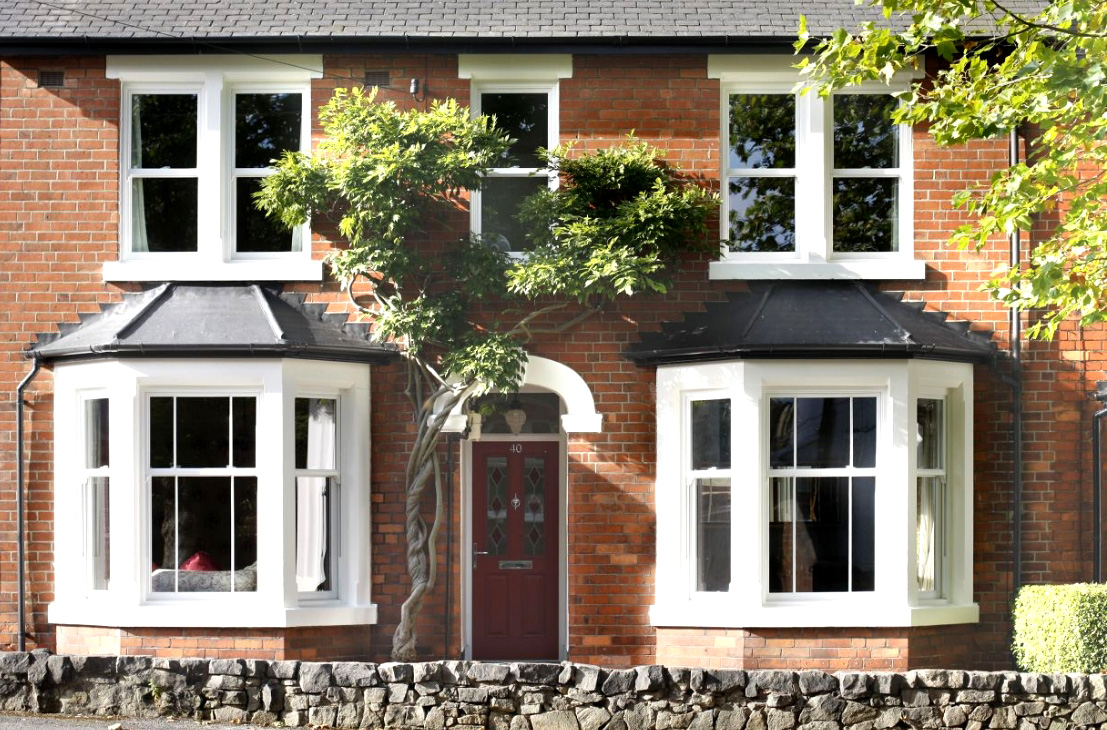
<point x="515" y="531"/>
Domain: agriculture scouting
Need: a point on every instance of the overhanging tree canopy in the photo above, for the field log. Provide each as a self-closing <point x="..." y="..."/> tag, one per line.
<point x="1040" y="71"/>
<point x="616" y="225"/>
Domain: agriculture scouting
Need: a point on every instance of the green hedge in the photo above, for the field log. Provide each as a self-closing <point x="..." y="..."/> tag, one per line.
<point x="1061" y="628"/>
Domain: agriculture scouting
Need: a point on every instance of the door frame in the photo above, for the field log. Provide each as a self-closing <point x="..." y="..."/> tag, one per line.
<point x="466" y="531"/>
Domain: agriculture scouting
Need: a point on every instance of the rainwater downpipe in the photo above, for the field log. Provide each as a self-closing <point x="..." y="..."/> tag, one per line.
<point x="1097" y="478"/>
<point x="20" y="536"/>
<point x="1015" y="340"/>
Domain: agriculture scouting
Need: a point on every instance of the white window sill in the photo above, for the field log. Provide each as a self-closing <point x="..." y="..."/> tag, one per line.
<point x="841" y="269"/>
<point x="241" y="612"/>
<point x="193" y="269"/>
<point x="830" y="613"/>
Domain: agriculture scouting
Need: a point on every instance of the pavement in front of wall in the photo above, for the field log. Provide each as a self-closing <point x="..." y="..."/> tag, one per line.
<point x="60" y="722"/>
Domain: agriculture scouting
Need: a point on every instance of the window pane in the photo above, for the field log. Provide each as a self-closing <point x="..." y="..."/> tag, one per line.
<point x="822" y="534"/>
<point x="313" y="530"/>
<point x="265" y="125"/>
<point x="204" y="536"/>
<point x="315" y="433"/>
<point x="203" y="433"/>
<point x="96" y="433"/>
<point x="865" y="214"/>
<point x="762" y="131"/>
<point x="245" y="431"/>
<point x="713" y="534"/>
<point x="256" y="232"/>
<point x="762" y="214"/>
<point x="499" y="209"/>
<point x="822" y="432"/>
<point x="163" y="131"/>
<point x="928" y="523"/>
<point x="495" y="528"/>
<point x="543" y="411"/>
<point x="930" y="441"/>
<point x="163" y="214"/>
<point x="526" y="118"/>
<point x="864" y="533"/>
<point x="864" y="432"/>
<point x="711" y="434"/>
<point x="161" y="432"/>
<point x="781" y="509"/>
<point x="244" y="561"/>
<point x="99" y="506"/>
<point x="782" y="412"/>
<point x="163" y="532"/>
<point x="534" y="506"/>
<point x="864" y="135"/>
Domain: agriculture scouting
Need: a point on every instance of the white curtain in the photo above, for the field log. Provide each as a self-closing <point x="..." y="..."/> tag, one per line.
<point x="925" y="532"/>
<point x="311" y="498"/>
<point x="139" y="242"/>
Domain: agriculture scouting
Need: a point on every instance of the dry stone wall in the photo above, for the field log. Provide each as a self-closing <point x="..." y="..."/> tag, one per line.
<point x="527" y="696"/>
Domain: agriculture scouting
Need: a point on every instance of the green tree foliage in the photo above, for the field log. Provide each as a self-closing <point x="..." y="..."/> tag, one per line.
<point x="615" y="226"/>
<point x="1040" y="72"/>
<point x="1061" y="628"/>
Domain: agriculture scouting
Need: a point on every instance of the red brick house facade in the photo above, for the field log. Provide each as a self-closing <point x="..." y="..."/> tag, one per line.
<point x="685" y="516"/>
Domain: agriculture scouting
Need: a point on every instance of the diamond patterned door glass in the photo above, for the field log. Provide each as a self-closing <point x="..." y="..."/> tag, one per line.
<point x="534" y="517"/>
<point x="496" y="528"/>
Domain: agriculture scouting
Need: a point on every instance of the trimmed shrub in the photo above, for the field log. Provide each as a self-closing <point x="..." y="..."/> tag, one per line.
<point x="1061" y="628"/>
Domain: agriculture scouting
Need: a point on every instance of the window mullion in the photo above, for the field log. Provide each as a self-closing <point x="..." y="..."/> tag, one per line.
<point x="813" y="155"/>
<point x="211" y="153"/>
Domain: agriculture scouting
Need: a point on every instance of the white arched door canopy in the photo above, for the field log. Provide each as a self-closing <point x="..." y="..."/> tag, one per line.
<point x="580" y="407"/>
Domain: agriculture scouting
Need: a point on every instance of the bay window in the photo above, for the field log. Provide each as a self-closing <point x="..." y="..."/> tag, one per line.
<point x="212" y="493"/>
<point x="814" y="493"/>
<point x="198" y="135"/>
<point x="814" y="187"/>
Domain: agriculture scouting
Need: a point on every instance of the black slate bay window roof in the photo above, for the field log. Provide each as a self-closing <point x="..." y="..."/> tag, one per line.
<point x="213" y="320"/>
<point x="812" y="319"/>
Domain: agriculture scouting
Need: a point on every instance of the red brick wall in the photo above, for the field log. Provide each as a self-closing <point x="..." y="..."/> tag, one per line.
<point x="58" y="198"/>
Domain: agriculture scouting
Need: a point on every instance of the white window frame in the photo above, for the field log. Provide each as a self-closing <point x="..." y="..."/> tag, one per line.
<point x="941" y="541"/>
<point x="793" y="473"/>
<point x="128" y="602"/>
<point x="690" y="505"/>
<point x="84" y="490"/>
<point x="814" y="257"/>
<point x="334" y="501"/>
<point x="516" y="74"/>
<point x="895" y="600"/>
<point x="215" y="79"/>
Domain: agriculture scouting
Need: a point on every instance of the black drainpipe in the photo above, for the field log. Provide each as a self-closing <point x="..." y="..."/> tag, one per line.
<point x="20" y="537"/>
<point x="1015" y="339"/>
<point x="1097" y="478"/>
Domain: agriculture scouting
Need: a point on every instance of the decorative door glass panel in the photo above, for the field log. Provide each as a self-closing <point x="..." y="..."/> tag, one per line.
<point x="534" y="517"/>
<point x="496" y="528"/>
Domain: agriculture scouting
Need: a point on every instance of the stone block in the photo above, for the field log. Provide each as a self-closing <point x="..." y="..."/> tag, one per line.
<point x="773" y="680"/>
<point x="1088" y="713"/>
<point x="225" y="682"/>
<point x="473" y="695"/>
<point x="855" y="712"/>
<point x="315" y="677"/>
<point x="355" y="674"/>
<point x="348" y="715"/>
<point x="822" y="707"/>
<point x="780" y="719"/>
<point x="940" y="678"/>
<point x="586" y="677"/>
<point x="425" y="671"/>
<point x="591" y="718"/>
<point x="619" y="681"/>
<point x="393" y="672"/>
<point x="233" y="715"/>
<point x="915" y="698"/>
<point x="923" y="717"/>
<point x="233" y="667"/>
<point x="554" y="721"/>
<point x="649" y="678"/>
<point x="453" y="671"/>
<point x="732" y="719"/>
<point x="536" y="673"/>
<point x="886" y="683"/>
<point x="284" y="670"/>
<point x="403" y="716"/>
<point x="813" y="682"/>
<point x="954" y="716"/>
<point x="852" y="685"/>
<point x="976" y="696"/>
<point x="1003" y="718"/>
<point x="488" y="672"/>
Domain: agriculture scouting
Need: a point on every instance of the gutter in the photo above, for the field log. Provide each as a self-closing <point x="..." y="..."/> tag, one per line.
<point x="1097" y="478"/>
<point x="19" y="507"/>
